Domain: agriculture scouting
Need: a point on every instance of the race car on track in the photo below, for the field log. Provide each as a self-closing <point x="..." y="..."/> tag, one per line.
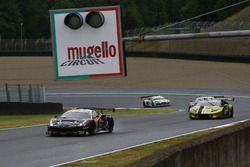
<point x="80" y="121"/>
<point x="155" y="101"/>
<point x="207" y="98"/>
<point x="211" y="108"/>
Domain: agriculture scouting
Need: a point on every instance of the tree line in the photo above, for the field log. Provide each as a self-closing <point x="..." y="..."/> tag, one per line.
<point x="32" y="16"/>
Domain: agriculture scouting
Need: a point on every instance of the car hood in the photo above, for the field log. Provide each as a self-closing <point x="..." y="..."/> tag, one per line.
<point x="206" y="109"/>
<point x="69" y="120"/>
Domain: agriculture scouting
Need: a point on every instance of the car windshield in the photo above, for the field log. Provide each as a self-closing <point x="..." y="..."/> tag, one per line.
<point x="204" y="98"/>
<point x="76" y="115"/>
<point x="157" y="98"/>
<point x="209" y="103"/>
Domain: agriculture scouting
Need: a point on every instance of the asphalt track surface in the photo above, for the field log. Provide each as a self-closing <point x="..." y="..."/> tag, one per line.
<point x="29" y="147"/>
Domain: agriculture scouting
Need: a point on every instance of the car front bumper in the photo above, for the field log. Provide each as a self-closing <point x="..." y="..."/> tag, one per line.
<point x="66" y="130"/>
<point x="162" y="104"/>
<point x="205" y="116"/>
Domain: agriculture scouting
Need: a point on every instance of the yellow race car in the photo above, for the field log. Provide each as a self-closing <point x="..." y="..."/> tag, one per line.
<point x="212" y="108"/>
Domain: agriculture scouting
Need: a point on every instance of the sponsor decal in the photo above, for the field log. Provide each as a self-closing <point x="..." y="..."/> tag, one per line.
<point x="90" y="55"/>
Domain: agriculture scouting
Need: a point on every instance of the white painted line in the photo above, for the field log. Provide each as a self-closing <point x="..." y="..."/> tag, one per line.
<point x="22" y="127"/>
<point x="155" y="141"/>
<point x="124" y="108"/>
<point x="141" y="93"/>
<point x="182" y="110"/>
<point x="123" y="93"/>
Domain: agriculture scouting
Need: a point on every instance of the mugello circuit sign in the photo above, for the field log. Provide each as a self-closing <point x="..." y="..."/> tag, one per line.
<point x="87" y="42"/>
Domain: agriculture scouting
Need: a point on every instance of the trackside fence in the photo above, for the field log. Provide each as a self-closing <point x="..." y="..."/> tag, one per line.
<point x="22" y="93"/>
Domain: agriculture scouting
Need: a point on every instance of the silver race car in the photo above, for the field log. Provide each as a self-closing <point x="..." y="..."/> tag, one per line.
<point x="155" y="101"/>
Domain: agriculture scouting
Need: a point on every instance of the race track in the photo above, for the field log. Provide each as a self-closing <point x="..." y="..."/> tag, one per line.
<point x="28" y="147"/>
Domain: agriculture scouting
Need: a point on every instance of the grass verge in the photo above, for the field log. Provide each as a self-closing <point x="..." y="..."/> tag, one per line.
<point x="13" y="121"/>
<point x="139" y="111"/>
<point x="126" y="157"/>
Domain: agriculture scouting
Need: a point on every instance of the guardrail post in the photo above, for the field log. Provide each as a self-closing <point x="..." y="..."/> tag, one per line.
<point x="38" y="94"/>
<point x="7" y="92"/>
<point x="44" y="94"/>
<point x="19" y="92"/>
<point x="30" y="94"/>
<point x="35" y="94"/>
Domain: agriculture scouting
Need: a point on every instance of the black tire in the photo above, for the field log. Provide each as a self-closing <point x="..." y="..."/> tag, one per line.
<point x="223" y="114"/>
<point x="231" y="114"/>
<point x="198" y="116"/>
<point x="152" y="104"/>
<point x="110" y="126"/>
<point x="191" y="118"/>
<point x="50" y="133"/>
<point x="92" y="128"/>
<point x="110" y="130"/>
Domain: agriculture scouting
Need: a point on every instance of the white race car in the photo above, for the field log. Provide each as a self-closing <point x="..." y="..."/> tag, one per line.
<point x="155" y="101"/>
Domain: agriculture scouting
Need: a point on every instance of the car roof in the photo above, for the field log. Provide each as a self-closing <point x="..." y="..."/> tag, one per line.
<point x="214" y="101"/>
<point x="211" y="100"/>
<point x="204" y="98"/>
<point x="157" y="96"/>
<point x="80" y="110"/>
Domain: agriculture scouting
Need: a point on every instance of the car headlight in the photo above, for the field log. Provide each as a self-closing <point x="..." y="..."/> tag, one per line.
<point x="214" y="110"/>
<point x="194" y="110"/>
<point x="76" y="123"/>
<point x="84" y="123"/>
<point x="53" y="122"/>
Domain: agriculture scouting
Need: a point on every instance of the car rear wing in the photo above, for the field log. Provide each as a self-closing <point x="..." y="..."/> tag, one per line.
<point x="224" y="98"/>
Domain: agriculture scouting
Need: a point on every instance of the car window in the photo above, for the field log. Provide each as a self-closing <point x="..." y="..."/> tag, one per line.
<point x="157" y="98"/>
<point x="209" y="103"/>
<point x="94" y="113"/>
<point x="76" y="115"/>
<point x="203" y="98"/>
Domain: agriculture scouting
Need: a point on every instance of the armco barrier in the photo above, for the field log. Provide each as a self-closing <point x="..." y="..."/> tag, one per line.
<point x="154" y="54"/>
<point x="229" y="147"/>
<point x="26" y="53"/>
<point x="190" y="56"/>
<point x="18" y="108"/>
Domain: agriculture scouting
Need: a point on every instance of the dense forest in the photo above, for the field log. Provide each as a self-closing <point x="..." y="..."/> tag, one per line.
<point x="33" y="15"/>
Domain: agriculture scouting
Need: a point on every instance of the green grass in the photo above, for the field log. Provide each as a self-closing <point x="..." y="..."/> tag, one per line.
<point x="242" y="15"/>
<point x="225" y="46"/>
<point x="13" y="121"/>
<point x="141" y="111"/>
<point x="126" y="157"/>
